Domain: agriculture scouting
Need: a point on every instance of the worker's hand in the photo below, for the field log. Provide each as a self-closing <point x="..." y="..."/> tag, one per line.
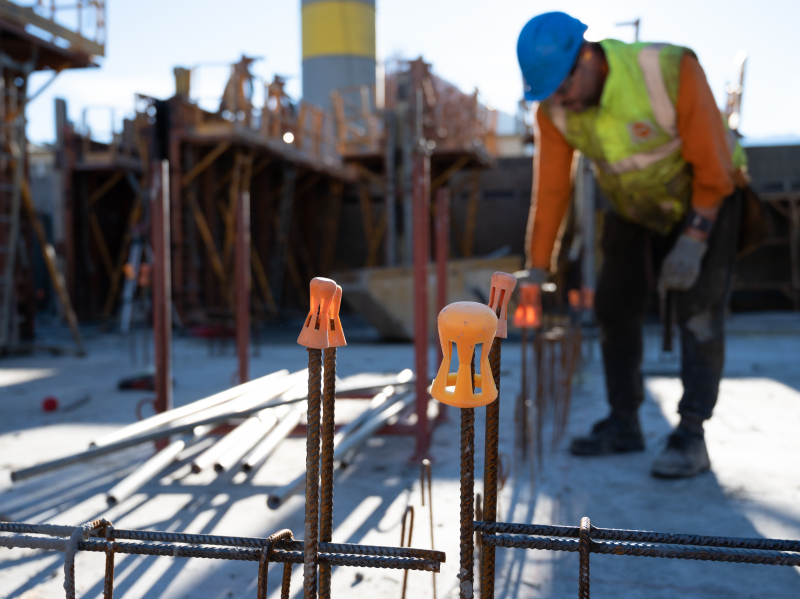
<point x="682" y="265"/>
<point x="537" y="276"/>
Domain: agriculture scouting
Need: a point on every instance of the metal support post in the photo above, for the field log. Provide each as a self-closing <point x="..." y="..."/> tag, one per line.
<point x="243" y="285"/>
<point x="442" y="227"/>
<point x="421" y="192"/>
<point x="162" y="284"/>
<point x="391" y="191"/>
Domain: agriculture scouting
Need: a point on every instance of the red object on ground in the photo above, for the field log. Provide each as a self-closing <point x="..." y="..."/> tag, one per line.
<point x="50" y="404"/>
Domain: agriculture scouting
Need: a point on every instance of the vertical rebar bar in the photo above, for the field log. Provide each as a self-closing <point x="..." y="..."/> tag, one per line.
<point x="311" y="533"/>
<point x="426" y="470"/>
<point x="466" y="574"/>
<point x="286" y="582"/>
<point x="326" y="475"/>
<point x="584" y="550"/>
<point x="490" y="471"/>
<point x="108" y="583"/>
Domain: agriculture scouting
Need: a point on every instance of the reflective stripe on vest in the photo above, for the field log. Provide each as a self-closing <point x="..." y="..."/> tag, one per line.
<point x="663" y="110"/>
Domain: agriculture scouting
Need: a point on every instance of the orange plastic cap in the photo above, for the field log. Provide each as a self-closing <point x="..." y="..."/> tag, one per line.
<point x="466" y="324"/>
<point x="502" y="286"/>
<point x="529" y="310"/>
<point x="315" y="330"/>
<point x="335" y="331"/>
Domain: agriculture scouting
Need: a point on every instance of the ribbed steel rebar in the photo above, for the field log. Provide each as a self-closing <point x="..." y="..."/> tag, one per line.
<point x="254" y="555"/>
<point x="639" y="536"/>
<point x="490" y="472"/>
<point x="81" y="533"/>
<point x="326" y="475"/>
<point x="286" y="581"/>
<point x="584" y="549"/>
<point x="108" y="582"/>
<point x="311" y="536"/>
<point x="466" y="571"/>
<point x="266" y="554"/>
<point x="258" y="542"/>
<point x="665" y="550"/>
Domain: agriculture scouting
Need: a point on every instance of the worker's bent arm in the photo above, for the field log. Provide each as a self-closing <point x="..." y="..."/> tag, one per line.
<point x="550" y="195"/>
<point x="705" y="144"/>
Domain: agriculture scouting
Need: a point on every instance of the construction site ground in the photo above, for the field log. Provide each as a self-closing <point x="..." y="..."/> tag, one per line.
<point x="753" y="490"/>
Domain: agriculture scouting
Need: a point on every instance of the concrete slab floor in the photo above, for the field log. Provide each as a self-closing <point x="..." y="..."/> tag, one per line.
<point x="754" y="489"/>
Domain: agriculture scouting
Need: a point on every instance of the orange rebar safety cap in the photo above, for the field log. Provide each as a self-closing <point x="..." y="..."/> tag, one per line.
<point x="317" y="325"/>
<point x="502" y="286"/>
<point x="466" y="324"/>
<point x="335" y="331"/>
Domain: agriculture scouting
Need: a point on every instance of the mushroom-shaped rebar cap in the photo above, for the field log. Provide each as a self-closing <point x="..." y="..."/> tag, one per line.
<point x="502" y="286"/>
<point x="466" y="324"/>
<point x="529" y="308"/>
<point x="335" y="331"/>
<point x="315" y="329"/>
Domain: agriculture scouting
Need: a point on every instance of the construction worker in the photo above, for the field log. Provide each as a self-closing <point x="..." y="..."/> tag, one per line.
<point x="646" y="117"/>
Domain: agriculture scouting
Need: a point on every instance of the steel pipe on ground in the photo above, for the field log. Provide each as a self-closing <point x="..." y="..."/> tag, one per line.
<point x="163" y="433"/>
<point x="265" y="383"/>
<point x="245" y="443"/>
<point x="347" y="442"/>
<point x="153" y="467"/>
<point x="267" y="445"/>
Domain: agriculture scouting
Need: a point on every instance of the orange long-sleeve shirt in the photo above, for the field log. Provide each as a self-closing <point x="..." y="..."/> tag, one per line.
<point x="705" y="147"/>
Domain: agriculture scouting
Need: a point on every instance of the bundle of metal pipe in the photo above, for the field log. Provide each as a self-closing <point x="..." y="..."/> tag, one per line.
<point x="263" y="384"/>
<point x="288" y="420"/>
<point x="247" y="405"/>
<point x="236" y="442"/>
<point x="154" y="466"/>
<point x="383" y="407"/>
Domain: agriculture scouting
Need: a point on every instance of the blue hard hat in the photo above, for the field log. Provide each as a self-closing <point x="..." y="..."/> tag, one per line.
<point x="547" y="49"/>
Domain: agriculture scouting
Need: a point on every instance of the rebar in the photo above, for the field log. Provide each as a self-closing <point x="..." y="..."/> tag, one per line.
<point x="266" y="554"/>
<point x="584" y="549"/>
<point x="280" y="547"/>
<point x="326" y="475"/>
<point x="408" y="516"/>
<point x="108" y="582"/>
<point x="425" y="469"/>
<point x="311" y="536"/>
<point x="639" y="536"/>
<point x="490" y="472"/>
<point x="466" y="573"/>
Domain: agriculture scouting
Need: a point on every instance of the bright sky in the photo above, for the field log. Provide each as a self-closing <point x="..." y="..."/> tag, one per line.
<point x="471" y="43"/>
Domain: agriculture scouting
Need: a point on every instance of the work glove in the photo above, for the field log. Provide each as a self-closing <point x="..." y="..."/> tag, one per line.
<point x="537" y="276"/>
<point x="682" y="265"/>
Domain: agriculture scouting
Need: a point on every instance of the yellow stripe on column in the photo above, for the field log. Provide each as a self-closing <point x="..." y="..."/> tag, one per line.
<point x="338" y="28"/>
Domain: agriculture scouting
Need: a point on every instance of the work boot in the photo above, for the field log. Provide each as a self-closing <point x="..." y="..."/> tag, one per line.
<point x="611" y="435"/>
<point x="685" y="455"/>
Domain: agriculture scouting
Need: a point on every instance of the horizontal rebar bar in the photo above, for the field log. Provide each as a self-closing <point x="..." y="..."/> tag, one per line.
<point x="225" y="541"/>
<point x="639" y="536"/>
<point x="666" y="550"/>
<point x="254" y="555"/>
